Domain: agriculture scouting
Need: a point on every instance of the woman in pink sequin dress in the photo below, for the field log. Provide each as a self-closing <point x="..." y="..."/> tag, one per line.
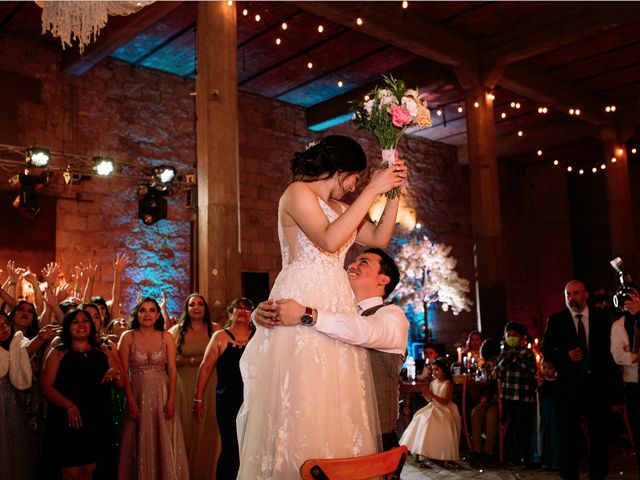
<point x="152" y="446"/>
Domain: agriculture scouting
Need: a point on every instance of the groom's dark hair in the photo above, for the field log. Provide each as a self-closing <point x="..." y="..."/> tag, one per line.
<point x="387" y="267"/>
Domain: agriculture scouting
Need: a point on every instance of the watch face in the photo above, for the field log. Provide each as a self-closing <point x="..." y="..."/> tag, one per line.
<point x="306" y="319"/>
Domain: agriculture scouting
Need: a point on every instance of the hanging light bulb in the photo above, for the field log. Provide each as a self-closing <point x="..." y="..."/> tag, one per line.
<point x="556" y="162"/>
<point x="539" y="153"/>
<point x="320" y="29"/>
<point x="245" y="12"/>
<point x="340" y="84"/>
<point x="284" y="26"/>
<point x="359" y="21"/>
<point x="258" y="17"/>
<point x="405" y="4"/>
<point x="310" y="65"/>
<point x="503" y="115"/>
<point x="569" y="168"/>
<point x="278" y="41"/>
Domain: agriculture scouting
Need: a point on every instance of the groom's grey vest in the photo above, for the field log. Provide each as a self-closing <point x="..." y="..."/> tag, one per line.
<point x="385" y="368"/>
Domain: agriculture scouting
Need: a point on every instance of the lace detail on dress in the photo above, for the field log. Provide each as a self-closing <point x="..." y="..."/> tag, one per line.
<point x="307" y="252"/>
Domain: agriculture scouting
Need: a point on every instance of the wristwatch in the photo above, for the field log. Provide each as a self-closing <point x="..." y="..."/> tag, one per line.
<point x="307" y="318"/>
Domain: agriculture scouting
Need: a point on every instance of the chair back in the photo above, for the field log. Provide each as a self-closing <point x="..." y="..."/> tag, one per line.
<point x="387" y="464"/>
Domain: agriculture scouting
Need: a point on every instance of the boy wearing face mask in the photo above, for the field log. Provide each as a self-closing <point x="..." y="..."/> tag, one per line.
<point x="516" y="369"/>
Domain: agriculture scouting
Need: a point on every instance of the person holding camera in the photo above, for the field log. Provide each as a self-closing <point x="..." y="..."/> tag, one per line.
<point x="625" y="346"/>
<point x="577" y="341"/>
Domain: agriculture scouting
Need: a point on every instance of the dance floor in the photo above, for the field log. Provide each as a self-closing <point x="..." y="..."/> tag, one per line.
<point x="622" y="466"/>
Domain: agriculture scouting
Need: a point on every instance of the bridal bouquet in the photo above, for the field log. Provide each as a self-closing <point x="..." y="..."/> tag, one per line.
<point x="387" y="112"/>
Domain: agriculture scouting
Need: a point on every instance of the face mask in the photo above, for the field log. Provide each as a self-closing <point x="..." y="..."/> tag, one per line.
<point x="512" y="341"/>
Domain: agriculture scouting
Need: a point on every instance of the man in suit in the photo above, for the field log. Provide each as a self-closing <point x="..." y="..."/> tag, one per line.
<point x="577" y="341"/>
<point x="380" y="327"/>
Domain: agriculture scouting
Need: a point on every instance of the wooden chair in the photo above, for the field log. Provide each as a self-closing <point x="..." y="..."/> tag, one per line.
<point x="463" y="380"/>
<point x="503" y="423"/>
<point x="387" y="464"/>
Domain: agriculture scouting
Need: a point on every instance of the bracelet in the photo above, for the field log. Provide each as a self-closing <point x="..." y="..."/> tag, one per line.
<point x="198" y="400"/>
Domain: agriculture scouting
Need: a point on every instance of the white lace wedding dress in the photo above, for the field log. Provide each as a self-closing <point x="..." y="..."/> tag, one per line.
<point x="305" y="394"/>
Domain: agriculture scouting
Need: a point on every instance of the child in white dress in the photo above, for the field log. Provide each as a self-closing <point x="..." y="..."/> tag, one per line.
<point x="434" y="431"/>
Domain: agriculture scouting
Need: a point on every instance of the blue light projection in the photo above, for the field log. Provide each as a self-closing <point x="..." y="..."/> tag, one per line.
<point x="318" y="127"/>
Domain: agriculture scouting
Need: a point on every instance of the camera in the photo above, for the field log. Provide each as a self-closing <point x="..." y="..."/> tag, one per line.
<point x="626" y="283"/>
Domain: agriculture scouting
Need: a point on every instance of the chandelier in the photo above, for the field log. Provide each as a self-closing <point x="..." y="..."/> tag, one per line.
<point x="82" y="21"/>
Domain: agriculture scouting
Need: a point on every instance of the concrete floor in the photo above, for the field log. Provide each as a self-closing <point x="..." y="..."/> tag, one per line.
<point x="622" y="467"/>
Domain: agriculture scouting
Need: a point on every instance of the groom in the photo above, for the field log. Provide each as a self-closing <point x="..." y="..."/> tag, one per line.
<point x="380" y="327"/>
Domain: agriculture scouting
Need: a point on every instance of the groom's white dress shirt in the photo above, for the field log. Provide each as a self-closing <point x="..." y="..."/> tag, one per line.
<point x="386" y="330"/>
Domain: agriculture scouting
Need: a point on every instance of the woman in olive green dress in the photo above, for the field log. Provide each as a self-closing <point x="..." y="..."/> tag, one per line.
<point x="202" y="439"/>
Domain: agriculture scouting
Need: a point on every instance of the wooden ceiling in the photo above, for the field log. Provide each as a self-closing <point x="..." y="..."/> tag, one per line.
<point x="559" y="55"/>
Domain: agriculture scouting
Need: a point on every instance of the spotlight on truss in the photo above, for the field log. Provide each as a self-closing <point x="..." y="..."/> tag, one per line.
<point x="37" y="157"/>
<point x="103" y="166"/>
<point x="163" y="177"/>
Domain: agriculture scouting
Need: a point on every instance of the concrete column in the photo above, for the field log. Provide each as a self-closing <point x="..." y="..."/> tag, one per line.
<point x="218" y="235"/>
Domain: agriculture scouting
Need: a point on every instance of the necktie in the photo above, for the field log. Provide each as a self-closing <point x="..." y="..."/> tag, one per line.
<point x="584" y="346"/>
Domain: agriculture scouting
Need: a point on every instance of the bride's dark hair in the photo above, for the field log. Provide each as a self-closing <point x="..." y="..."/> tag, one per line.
<point x="335" y="153"/>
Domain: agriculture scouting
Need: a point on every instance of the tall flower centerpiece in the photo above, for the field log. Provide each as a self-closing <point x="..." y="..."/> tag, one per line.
<point x="387" y="113"/>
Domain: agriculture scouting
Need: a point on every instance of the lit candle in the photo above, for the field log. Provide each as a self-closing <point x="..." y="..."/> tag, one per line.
<point x="528" y="345"/>
<point x="469" y="360"/>
<point x="459" y="355"/>
<point x="535" y="340"/>
<point x="538" y="361"/>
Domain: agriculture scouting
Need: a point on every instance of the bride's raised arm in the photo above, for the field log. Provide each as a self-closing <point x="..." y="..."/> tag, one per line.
<point x="300" y="203"/>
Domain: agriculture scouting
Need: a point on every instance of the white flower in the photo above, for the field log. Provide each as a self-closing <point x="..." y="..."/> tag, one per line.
<point x="368" y="106"/>
<point x="411" y="106"/>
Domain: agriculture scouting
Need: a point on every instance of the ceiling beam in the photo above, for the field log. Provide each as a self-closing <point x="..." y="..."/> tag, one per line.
<point x="544" y="33"/>
<point x="414" y="33"/>
<point x="544" y="88"/>
<point x="119" y="31"/>
<point x="424" y="74"/>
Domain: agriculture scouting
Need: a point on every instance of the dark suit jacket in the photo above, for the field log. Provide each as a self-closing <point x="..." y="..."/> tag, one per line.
<point x="561" y="336"/>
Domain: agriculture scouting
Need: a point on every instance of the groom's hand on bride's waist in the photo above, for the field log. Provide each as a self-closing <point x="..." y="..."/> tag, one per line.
<point x="265" y="314"/>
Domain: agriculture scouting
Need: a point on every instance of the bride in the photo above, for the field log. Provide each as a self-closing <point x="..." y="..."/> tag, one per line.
<point x="305" y="394"/>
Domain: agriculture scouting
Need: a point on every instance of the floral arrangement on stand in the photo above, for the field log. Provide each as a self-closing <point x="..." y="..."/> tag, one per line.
<point x="387" y="113"/>
<point x="429" y="276"/>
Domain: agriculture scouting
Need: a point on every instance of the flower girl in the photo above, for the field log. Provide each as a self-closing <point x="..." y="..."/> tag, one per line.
<point x="434" y="431"/>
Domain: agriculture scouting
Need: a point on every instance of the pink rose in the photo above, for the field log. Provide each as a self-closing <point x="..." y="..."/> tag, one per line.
<point x="400" y="116"/>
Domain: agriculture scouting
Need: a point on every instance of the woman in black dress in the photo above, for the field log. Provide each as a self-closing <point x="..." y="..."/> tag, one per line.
<point x="223" y="352"/>
<point x="75" y="382"/>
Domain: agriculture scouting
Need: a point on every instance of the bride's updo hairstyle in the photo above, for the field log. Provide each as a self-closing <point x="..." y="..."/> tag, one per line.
<point x="335" y="153"/>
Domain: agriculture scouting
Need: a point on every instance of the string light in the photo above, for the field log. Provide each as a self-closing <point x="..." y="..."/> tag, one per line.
<point x="520" y="133"/>
<point x="230" y="2"/>
<point x="320" y="29"/>
<point x="340" y="84"/>
<point x="245" y="12"/>
<point x="460" y="109"/>
<point x="574" y="111"/>
<point x="418" y="225"/>
<point x="257" y="17"/>
<point x="476" y="104"/>
<point x="610" y="108"/>
<point x="556" y="162"/>
<point x="284" y="26"/>
<point x="543" y="109"/>
<point x="569" y="168"/>
<point x="366" y="98"/>
<point x="539" y="153"/>
<point x="571" y="111"/>
<point x="439" y="112"/>
<point x="634" y="150"/>
<point x="309" y="65"/>
<point x="620" y="151"/>
<point x="512" y="104"/>
<point x="603" y="166"/>
<point x="359" y="21"/>
<point x="594" y="169"/>
<point x="278" y="41"/>
<point x="614" y="159"/>
<point x="491" y="96"/>
<point x="581" y="171"/>
<point x="577" y="111"/>
<point x="405" y="4"/>
<point x="503" y="115"/>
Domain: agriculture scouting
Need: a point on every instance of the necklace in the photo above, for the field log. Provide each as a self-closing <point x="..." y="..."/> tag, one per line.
<point x="237" y="344"/>
<point x="81" y="350"/>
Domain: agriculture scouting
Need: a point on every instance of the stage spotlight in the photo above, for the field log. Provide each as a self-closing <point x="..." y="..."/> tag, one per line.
<point x="152" y="206"/>
<point x="163" y="176"/>
<point x="37" y="157"/>
<point x="26" y="200"/>
<point x="103" y="166"/>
